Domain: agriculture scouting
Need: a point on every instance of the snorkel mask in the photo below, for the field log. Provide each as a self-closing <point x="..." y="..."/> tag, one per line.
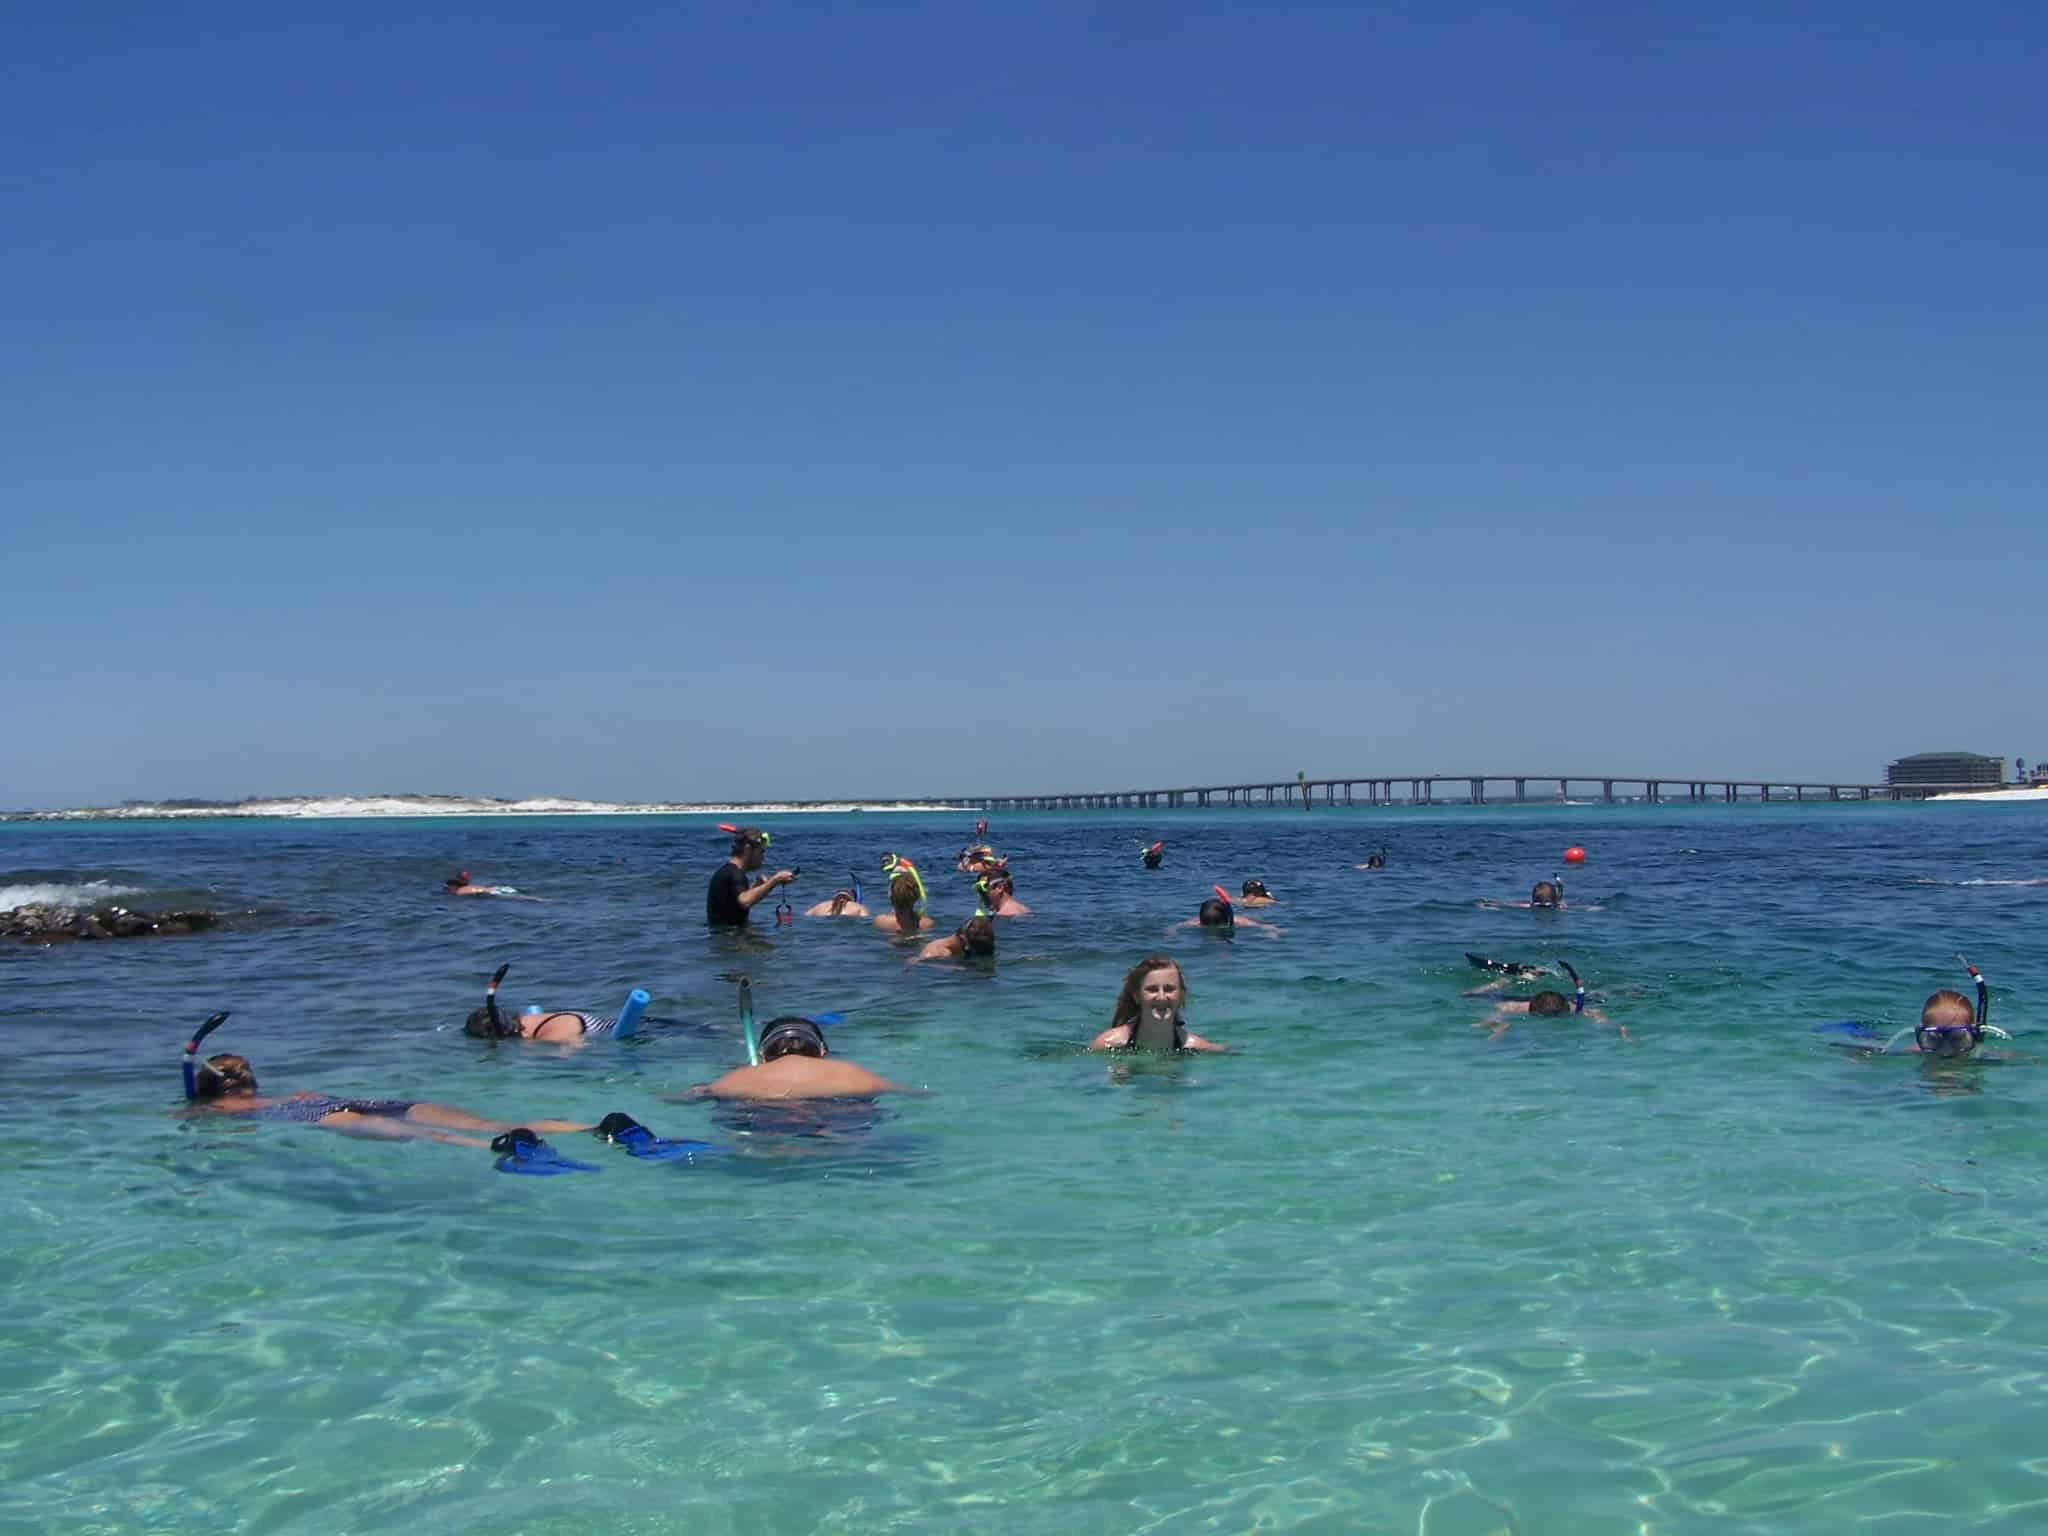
<point x="1947" y="1039"/>
<point x="1257" y="888"/>
<point x="801" y="1030"/>
<point x="191" y="1062"/>
<point x="1556" y="884"/>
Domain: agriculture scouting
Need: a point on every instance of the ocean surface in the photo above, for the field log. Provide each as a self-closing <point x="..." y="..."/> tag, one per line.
<point x="1373" y="1270"/>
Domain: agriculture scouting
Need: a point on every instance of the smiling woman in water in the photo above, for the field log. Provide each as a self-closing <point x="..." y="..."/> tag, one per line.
<point x="1147" y="1015"/>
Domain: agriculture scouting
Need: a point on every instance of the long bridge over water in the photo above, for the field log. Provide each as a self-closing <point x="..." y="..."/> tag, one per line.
<point x="1470" y="789"/>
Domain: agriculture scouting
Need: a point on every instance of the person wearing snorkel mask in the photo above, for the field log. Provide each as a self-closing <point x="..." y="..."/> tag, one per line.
<point x="1547" y="1003"/>
<point x="1948" y="1026"/>
<point x="459" y="884"/>
<point x="795" y="1064"/>
<point x="842" y="904"/>
<point x="732" y="895"/>
<point x="999" y="895"/>
<point x="1148" y="1009"/>
<point x="906" y="898"/>
<point x="972" y="940"/>
<point x="1544" y="896"/>
<point x="979" y="860"/>
<point x="226" y="1084"/>
<point x="1255" y="894"/>
<point x="1218" y="915"/>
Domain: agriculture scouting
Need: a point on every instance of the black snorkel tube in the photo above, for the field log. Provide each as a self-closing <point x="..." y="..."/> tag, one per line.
<point x="1983" y="1025"/>
<point x="192" y="1052"/>
<point x="1578" y="987"/>
<point x="498" y="1029"/>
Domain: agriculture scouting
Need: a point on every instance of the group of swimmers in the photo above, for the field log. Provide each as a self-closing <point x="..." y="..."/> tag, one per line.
<point x="790" y="1059"/>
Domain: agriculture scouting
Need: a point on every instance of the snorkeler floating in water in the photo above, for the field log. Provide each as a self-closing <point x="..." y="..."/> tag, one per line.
<point x="1545" y="1004"/>
<point x="973" y="939"/>
<point x="1544" y="896"/>
<point x="1950" y="1026"/>
<point x="844" y="902"/>
<point x="458" y="884"/>
<point x="1153" y="856"/>
<point x="1373" y="861"/>
<point x="226" y="1084"/>
<point x="789" y="1060"/>
<point x="1148" y="1009"/>
<point x="1505" y="971"/>
<point x="1218" y="915"/>
<point x="979" y="860"/>
<point x="1255" y="894"/>
<point x="564" y="1026"/>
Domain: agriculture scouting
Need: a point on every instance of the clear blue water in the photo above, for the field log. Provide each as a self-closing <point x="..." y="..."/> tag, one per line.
<point x="1371" y="1271"/>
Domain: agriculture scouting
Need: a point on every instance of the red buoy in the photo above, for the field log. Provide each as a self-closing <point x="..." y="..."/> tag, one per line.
<point x="1575" y="854"/>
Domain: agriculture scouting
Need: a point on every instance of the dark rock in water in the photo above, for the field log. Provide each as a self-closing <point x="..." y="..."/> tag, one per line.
<point x="44" y="923"/>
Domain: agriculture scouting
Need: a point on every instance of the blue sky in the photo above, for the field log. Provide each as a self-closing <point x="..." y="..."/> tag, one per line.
<point x="710" y="402"/>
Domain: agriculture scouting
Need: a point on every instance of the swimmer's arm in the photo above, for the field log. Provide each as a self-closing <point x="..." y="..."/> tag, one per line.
<point x="938" y="949"/>
<point x="1191" y="922"/>
<point x="762" y="887"/>
<point x="1487" y="988"/>
<point x="689" y="1095"/>
<point x="1115" y="1038"/>
<point x="1195" y="1042"/>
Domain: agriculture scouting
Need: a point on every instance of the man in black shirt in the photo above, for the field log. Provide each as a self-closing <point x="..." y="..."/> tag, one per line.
<point x="732" y="894"/>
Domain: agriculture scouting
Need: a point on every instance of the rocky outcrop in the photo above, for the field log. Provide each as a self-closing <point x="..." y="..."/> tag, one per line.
<point x="44" y="924"/>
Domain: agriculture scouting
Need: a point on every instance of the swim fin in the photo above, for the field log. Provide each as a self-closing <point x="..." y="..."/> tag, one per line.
<point x="622" y="1130"/>
<point x="520" y="1151"/>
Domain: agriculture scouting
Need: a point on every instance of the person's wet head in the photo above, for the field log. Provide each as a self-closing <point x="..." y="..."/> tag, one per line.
<point x="1150" y="1002"/>
<point x="481" y="1026"/>
<point x="1257" y="888"/>
<point x="1948" y="1025"/>
<point x="1216" y="913"/>
<point x="977" y="936"/>
<point x="456" y="881"/>
<point x="224" y="1077"/>
<point x="903" y="899"/>
<point x="1549" y="1005"/>
<point x="750" y="847"/>
<point x="791" y="1036"/>
<point x="840" y="899"/>
<point x="1545" y="894"/>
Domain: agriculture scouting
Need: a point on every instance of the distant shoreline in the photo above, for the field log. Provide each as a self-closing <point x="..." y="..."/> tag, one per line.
<point x="2032" y="792"/>
<point x="372" y="807"/>
<point x="390" y="807"/>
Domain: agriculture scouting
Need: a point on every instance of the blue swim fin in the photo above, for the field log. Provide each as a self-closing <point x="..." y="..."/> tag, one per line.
<point x="622" y="1130"/>
<point x="521" y="1151"/>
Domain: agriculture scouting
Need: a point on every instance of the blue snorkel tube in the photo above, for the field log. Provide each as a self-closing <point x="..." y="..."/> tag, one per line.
<point x="855" y="877"/>
<point x="747" y="1022"/>
<point x="192" y="1052"/>
<point x="1578" y="986"/>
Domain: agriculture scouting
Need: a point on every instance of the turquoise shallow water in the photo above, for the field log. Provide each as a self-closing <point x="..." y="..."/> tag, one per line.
<point x="1371" y="1271"/>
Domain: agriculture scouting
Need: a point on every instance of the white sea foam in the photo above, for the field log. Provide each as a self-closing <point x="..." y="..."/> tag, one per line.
<point x="2034" y="792"/>
<point x="351" y="806"/>
<point x="92" y="893"/>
